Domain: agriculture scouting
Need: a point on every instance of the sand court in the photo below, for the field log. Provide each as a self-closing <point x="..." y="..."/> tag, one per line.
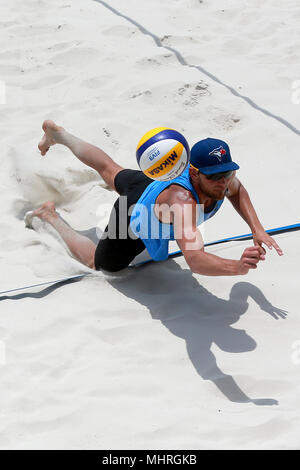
<point x="153" y="357"/>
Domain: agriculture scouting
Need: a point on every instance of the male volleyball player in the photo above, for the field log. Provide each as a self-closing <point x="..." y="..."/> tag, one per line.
<point x="172" y="208"/>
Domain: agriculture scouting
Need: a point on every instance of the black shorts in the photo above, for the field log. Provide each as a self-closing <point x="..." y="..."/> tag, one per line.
<point x="115" y="252"/>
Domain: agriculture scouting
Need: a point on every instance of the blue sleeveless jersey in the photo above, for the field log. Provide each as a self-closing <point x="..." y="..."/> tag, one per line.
<point x="146" y="226"/>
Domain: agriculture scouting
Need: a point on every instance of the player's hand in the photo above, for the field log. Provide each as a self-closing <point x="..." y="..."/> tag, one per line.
<point x="261" y="236"/>
<point x="250" y="258"/>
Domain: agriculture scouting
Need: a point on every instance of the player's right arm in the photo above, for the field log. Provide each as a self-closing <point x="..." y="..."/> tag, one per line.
<point x="190" y="241"/>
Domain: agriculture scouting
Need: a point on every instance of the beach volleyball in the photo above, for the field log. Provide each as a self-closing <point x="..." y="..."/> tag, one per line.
<point x="162" y="154"/>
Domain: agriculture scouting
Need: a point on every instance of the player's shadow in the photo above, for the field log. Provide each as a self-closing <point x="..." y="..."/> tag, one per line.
<point x="191" y="312"/>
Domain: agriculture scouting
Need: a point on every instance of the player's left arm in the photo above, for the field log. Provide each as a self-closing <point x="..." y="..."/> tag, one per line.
<point x="239" y="198"/>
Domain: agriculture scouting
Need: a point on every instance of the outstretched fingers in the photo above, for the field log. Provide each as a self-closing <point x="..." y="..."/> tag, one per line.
<point x="272" y="243"/>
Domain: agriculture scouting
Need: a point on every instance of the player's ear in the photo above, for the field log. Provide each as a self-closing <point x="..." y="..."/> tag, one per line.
<point x="193" y="172"/>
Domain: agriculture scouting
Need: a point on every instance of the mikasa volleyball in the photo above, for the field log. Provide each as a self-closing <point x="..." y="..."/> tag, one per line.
<point x="162" y="154"/>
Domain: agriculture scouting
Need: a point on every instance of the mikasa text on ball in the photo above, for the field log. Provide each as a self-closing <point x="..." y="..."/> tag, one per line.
<point x="162" y="154"/>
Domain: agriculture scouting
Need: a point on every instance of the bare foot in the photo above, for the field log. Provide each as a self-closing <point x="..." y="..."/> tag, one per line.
<point x="46" y="212"/>
<point x="50" y="137"/>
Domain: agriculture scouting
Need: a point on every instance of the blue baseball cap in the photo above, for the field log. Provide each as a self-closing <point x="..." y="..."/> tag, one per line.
<point x="211" y="156"/>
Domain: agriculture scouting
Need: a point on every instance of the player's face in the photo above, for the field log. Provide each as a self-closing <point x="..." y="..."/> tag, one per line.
<point x="214" y="189"/>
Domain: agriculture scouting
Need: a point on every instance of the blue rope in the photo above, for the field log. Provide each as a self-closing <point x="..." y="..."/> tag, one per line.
<point x="285" y="228"/>
<point x="45" y="283"/>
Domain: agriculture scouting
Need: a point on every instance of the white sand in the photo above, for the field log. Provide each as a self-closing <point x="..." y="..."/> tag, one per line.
<point x="156" y="357"/>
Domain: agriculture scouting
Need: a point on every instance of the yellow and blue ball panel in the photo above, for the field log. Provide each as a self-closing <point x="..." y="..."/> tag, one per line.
<point x="162" y="153"/>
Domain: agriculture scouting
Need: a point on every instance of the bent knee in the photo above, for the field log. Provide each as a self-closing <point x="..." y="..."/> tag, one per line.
<point x="109" y="267"/>
<point x="108" y="174"/>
